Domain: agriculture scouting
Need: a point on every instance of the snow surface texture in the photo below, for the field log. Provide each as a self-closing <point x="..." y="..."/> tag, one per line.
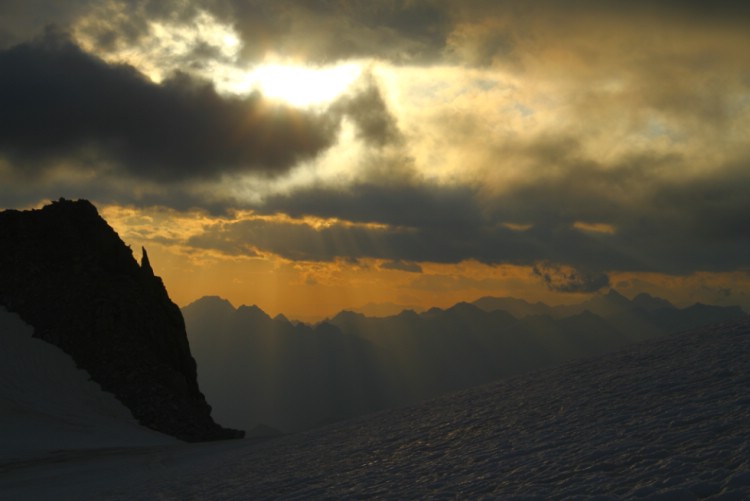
<point x="47" y="404"/>
<point x="663" y="420"/>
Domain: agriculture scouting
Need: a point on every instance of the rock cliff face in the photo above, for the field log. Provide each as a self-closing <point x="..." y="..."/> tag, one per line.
<point x="66" y="272"/>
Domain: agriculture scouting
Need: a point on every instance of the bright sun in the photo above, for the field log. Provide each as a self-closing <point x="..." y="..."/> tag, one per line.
<point x="303" y="86"/>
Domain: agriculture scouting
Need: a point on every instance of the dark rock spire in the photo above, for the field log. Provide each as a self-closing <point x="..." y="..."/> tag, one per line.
<point x="145" y="263"/>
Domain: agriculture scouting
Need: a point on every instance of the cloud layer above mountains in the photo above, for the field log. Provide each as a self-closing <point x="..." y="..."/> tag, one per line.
<point x="577" y="138"/>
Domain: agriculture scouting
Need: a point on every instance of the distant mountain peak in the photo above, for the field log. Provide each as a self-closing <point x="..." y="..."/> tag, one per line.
<point x="251" y="307"/>
<point x="386" y="309"/>
<point x="217" y="303"/>
<point x="519" y="308"/>
<point x="347" y="316"/>
<point x="281" y="318"/>
<point x="409" y="313"/>
<point x="464" y="307"/>
<point x="253" y="311"/>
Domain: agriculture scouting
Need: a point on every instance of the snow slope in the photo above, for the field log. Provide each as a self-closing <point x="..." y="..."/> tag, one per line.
<point x="47" y="404"/>
<point x="664" y="420"/>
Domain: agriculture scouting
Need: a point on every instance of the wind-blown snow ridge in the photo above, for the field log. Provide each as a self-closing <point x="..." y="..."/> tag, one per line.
<point x="663" y="420"/>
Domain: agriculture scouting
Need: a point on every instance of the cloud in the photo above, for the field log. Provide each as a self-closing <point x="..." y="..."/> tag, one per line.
<point x="322" y="31"/>
<point x="499" y="131"/>
<point x="295" y="240"/>
<point x="449" y="208"/>
<point x="400" y="223"/>
<point x="655" y="219"/>
<point x="423" y="32"/>
<point x="401" y="266"/>
<point x="567" y="279"/>
<point x="520" y="26"/>
<point x="18" y="20"/>
<point x="59" y="102"/>
<point x="366" y="107"/>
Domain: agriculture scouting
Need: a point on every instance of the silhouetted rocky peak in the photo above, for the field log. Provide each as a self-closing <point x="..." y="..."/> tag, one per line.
<point x="408" y="315"/>
<point x="347" y="316"/>
<point x="281" y="318"/>
<point x="519" y="308"/>
<point x="253" y="313"/>
<point x="210" y="305"/>
<point x="609" y="304"/>
<point x="68" y="274"/>
<point x="464" y="308"/>
<point x="432" y="312"/>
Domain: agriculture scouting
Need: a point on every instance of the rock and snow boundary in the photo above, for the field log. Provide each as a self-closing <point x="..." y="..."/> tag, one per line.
<point x="47" y="404"/>
<point x="662" y="420"/>
<point x="68" y="274"/>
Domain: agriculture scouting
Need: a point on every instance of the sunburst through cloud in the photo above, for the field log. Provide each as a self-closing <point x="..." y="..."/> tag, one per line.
<point x="358" y="205"/>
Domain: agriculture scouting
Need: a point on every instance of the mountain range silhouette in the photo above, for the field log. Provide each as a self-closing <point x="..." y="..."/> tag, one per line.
<point x="292" y="376"/>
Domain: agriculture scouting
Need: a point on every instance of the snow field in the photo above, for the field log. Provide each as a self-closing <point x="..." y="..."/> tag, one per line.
<point x="47" y="404"/>
<point x="661" y="420"/>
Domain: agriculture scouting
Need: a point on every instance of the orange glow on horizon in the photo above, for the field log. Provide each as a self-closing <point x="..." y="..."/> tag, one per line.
<point x="313" y="290"/>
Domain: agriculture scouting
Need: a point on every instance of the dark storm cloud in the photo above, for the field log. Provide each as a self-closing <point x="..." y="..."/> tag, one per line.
<point x="564" y="279"/>
<point x="416" y="217"/>
<point x="368" y="110"/>
<point x="583" y="221"/>
<point x="291" y="240"/>
<point x="18" y="190"/>
<point x="680" y="63"/>
<point x="403" y="204"/>
<point x="432" y="242"/>
<point x="60" y="103"/>
<point x="417" y="223"/>
<point x="715" y="209"/>
<point x="20" y="20"/>
<point x="562" y="185"/>
<point x="662" y="219"/>
<point x="698" y="10"/>
<point x="401" y="266"/>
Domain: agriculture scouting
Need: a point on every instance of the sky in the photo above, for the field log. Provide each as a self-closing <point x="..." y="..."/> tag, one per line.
<point x="318" y="155"/>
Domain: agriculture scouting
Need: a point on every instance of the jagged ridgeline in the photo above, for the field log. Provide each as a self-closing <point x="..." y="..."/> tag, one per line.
<point x="68" y="274"/>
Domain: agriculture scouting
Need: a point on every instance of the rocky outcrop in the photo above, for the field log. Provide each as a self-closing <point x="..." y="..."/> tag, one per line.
<point x="67" y="273"/>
